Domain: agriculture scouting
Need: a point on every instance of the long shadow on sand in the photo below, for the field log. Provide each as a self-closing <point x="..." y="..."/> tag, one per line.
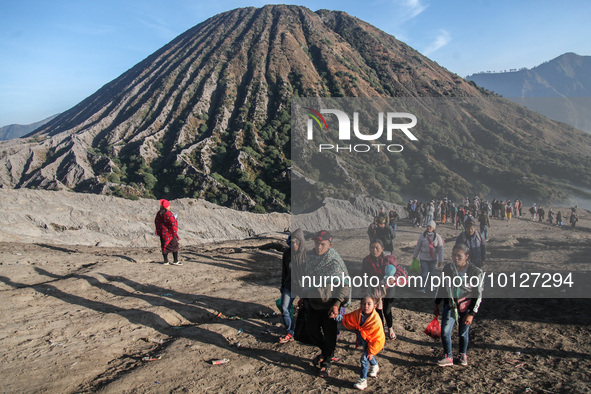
<point x="182" y="303"/>
<point x="259" y="269"/>
<point x="57" y="248"/>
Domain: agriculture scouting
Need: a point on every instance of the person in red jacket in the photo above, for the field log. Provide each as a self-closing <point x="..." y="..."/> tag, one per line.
<point x="368" y="325"/>
<point x="167" y="229"/>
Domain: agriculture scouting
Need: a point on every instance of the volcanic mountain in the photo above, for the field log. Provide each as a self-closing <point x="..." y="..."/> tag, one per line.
<point x="208" y="116"/>
<point x="568" y="75"/>
<point x="559" y="89"/>
<point x="18" y="130"/>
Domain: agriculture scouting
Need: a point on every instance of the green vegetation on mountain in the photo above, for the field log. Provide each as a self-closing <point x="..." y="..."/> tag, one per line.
<point x="208" y="116"/>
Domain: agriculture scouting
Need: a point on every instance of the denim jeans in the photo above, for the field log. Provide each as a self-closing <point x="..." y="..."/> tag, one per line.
<point x="427" y="270"/>
<point x="365" y="363"/>
<point x="393" y="227"/>
<point x="447" y="325"/>
<point x="286" y="303"/>
<point x="484" y="232"/>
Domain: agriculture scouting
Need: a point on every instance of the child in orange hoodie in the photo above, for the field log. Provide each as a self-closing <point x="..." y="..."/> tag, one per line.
<point x="370" y="333"/>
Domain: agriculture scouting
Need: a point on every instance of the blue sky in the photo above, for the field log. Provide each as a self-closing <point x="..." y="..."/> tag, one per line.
<point x="53" y="54"/>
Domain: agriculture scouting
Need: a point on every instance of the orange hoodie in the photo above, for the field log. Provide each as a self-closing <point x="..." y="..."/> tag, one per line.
<point x="372" y="330"/>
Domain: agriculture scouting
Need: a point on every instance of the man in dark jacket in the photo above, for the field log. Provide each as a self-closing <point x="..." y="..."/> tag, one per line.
<point x="484" y="224"/>
<point x="392" y="219"/>
<point x="473" y="239"/>
<point x="323" y="302"/>
<point x="384" y="233"/>
<point x="290" y="273"/>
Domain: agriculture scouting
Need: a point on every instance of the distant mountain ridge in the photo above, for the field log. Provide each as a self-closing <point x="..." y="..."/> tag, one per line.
<point x="208" y="116"/>
<point x="568" y="77"/>
<point x="18" y="130"/>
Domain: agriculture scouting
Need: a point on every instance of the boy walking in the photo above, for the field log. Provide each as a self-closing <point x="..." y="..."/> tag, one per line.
<point x="370" y="334"/>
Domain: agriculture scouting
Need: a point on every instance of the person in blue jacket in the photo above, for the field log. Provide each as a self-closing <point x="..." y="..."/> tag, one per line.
<point x="475" y="242"/>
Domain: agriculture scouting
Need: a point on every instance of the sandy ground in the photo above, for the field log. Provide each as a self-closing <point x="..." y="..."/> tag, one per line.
<point x="86" y="319"/>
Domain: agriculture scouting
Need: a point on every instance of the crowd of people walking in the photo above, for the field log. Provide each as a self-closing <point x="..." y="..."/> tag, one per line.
<point x="321" y="305"/>
<point x="322" y="308"/>
<point x="477" y="209"/>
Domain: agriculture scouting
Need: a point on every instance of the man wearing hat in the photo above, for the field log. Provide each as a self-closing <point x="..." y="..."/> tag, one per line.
<point x="167" y="229"/>
<point x="323" y="301"/>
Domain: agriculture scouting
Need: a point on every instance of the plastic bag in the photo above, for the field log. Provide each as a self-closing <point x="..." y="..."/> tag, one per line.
<point x="433" y="329"/>
<point x="415" y="267"/>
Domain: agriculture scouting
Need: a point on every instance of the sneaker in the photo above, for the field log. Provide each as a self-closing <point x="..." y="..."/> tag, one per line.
<point x="373" y="371"/>
<point x="445" y="361"/>
<point x="176" y="263"/>
<point x="166" y="263"/>
<point x="361" y="384"/>
<point x="463" y="359"/>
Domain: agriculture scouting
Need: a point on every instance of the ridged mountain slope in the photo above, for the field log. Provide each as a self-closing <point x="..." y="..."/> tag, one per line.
<point x="208" y="115"/>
